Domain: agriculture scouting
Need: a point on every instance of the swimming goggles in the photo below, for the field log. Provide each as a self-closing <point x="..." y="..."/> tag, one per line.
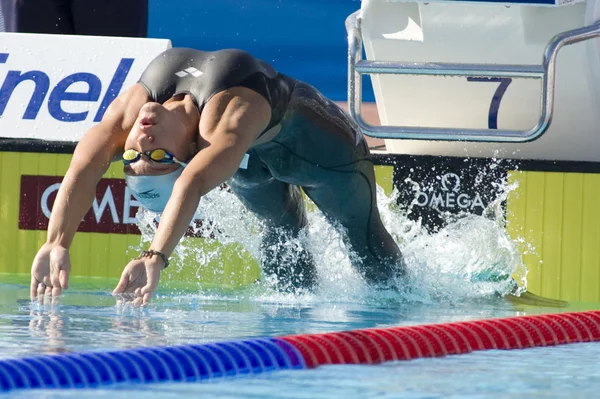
<point x="158" y="155"/>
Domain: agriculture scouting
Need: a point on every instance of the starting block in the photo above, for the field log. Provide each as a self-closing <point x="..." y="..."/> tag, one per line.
<point x="496" y="74"/>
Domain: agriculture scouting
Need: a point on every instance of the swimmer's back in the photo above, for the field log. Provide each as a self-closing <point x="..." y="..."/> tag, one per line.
<point x="203" y="74"/>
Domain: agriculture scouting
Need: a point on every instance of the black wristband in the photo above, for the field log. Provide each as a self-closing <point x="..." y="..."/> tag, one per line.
<point x="150" y="253"/>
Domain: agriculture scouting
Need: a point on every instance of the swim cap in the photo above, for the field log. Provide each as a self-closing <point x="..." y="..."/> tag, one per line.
<point x="153" y="192"/>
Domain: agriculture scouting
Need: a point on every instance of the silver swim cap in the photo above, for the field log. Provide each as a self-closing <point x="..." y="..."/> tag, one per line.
<point x="153" y="192"/>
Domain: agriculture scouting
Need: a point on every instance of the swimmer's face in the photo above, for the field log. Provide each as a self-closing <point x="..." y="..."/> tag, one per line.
<point x="172" y="126"/>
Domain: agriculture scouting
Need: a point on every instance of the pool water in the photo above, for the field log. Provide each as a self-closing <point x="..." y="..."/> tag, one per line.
<point x="90" y="321"/>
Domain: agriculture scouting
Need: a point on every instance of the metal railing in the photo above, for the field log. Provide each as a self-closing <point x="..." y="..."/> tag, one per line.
<point x="546" y="72"/>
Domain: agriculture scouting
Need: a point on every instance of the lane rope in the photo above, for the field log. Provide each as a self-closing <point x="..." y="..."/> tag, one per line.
<point x="188" y="363"/>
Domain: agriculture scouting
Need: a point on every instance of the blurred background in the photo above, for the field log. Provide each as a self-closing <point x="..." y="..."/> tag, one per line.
<point x="302" y="38"/>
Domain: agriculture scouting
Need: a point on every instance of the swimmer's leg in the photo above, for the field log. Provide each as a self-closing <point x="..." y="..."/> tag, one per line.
<point x="281" y="208"/>
<point x="348" y="197"/>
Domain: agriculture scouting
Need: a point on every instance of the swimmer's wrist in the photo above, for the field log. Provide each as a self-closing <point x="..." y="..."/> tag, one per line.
<point x="151" y="252"/>
<point x="59" y="239"/>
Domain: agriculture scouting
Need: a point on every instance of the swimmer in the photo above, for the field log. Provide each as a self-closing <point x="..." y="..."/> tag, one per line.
<point x="198" y="119"/>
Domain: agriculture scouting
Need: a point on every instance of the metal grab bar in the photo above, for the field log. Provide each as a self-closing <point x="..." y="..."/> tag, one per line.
<point x="443" y="69"/>
<point x="546" y="72"/>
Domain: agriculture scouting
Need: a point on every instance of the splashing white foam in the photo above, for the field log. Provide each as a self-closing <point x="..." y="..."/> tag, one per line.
<point x="471" y="257"/>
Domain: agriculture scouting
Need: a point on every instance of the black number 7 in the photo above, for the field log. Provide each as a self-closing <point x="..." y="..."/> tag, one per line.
<point x="495" y="104"/>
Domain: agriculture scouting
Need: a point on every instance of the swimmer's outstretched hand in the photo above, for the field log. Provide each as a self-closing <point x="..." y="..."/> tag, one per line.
<point x="50" y="272"/>
<point x="138" y="281"/>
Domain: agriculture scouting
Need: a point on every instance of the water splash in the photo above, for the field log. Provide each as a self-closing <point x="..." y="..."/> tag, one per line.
<point x="471" y="257"/>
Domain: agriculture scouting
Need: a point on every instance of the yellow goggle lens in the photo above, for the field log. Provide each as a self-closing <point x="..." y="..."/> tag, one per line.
<point x="130" y="155"/>
<point x="158" y="155"/>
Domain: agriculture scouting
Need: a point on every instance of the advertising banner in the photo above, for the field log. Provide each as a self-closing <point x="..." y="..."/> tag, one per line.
<point x="55" y="87"/>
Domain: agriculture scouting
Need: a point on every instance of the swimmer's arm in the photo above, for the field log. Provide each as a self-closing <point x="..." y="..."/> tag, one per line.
<point x="92" y="156"/>
<point x="230" y="122"/>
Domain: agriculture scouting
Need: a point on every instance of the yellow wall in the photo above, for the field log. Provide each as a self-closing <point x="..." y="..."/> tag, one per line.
<point x="555" y="214"/>
<point x="97" y="254"/>
<point x="385" y="178"/>
<point x="558" y="214"/>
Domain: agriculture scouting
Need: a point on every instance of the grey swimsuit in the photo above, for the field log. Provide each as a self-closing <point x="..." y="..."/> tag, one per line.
<point x="317" y="147"/>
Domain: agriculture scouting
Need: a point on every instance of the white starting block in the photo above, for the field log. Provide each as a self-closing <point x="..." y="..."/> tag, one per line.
<point x="494" y="74"/>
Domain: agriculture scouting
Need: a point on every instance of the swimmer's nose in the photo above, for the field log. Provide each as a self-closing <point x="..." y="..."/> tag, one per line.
<point x="142" y="138"/>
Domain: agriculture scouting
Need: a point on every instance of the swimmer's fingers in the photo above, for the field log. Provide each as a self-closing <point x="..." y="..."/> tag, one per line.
<point x="49" y="272"/>
<point x="40" y="274"/>
<point x="132" y="279"/>
<point x="60" y="267"/>
<point x="34" y="288"/>
<point x="37" y="289"/>
<point x="63" y="277"/>
<point x="40" y="287"/>
<point x="138" y="281"/>
<point x="54" y="289"/>
<point x="59" y="281"/>
<point x="121" y="285"/>
<point x="138" y="302"/>
<point x="153" y="271"/>
<point x="146" y="294"/>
